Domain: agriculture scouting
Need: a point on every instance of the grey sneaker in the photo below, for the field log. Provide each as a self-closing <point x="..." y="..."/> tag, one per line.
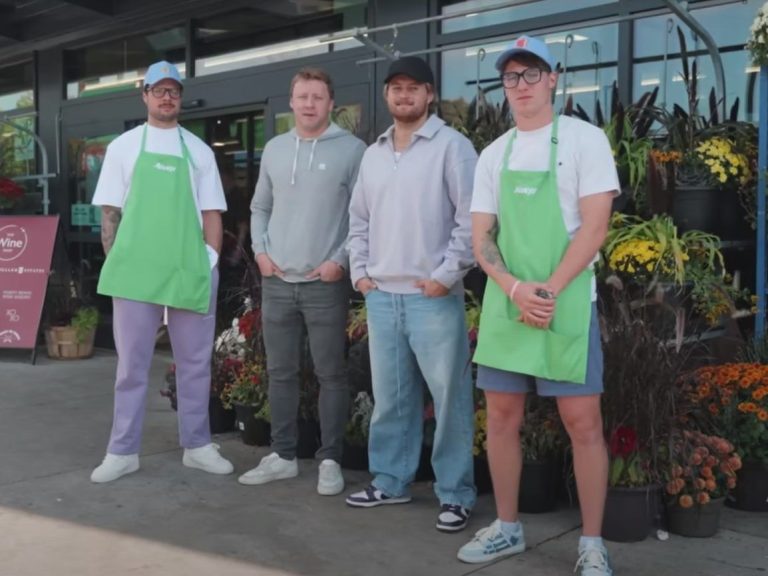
<point x="593" y="561"/>
<point x="489" y="544"/>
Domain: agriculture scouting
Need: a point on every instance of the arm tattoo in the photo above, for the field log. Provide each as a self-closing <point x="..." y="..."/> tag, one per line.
<point x="110" y="220"/>
<point x="490" y="250"/>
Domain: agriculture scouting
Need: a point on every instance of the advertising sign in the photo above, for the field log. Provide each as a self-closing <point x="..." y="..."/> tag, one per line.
<point x="26" y="248"/>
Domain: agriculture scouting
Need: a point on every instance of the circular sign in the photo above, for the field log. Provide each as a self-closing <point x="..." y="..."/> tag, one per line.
<point x="13" y="242"/>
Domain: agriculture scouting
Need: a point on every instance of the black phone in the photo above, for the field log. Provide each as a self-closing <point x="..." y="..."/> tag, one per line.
<point x="541" y="293"/>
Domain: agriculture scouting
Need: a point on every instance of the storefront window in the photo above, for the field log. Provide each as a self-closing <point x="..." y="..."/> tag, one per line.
<point x="120" y="64"/>
<point x="587" y="57"/>
<point x="728" y="25"/>
<point x="654" y="37"/>
<point x="505" y="14"/>
<point x="17" y="87"/>
<point x="256" y="36"/>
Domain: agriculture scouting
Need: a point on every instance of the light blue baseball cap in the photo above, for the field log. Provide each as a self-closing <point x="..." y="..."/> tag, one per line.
<point x="160" y="71"/>
<point x="523" y="45"/>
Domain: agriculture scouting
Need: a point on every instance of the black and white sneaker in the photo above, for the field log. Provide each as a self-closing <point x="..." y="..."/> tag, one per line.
<point x="372" y="496"/>
<point x="452" y="518"/>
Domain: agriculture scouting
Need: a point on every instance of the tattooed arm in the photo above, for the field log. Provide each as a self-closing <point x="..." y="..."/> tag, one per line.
<point x="534" y="311"/>
<point x="110" y="220"/>
<point x="485" y="229"/>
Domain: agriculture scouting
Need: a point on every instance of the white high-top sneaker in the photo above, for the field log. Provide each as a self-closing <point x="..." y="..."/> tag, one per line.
<point x="114" y="466"/>
<point x="271" y="468"/>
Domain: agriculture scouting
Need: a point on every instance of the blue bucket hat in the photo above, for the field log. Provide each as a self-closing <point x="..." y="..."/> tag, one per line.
<point x="160" y="71"/>
<point x="526" y="45"/>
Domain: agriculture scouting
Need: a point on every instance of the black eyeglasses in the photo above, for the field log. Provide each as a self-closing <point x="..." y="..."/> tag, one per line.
<point x="161" y="91"/>
<point x="530" y="75"/>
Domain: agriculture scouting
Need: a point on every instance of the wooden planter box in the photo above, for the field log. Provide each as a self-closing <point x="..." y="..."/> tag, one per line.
<point x="63" y="345"/>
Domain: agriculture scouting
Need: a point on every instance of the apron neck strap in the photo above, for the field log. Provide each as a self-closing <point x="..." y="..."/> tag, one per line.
<point x="184" y="150"/>
<point x="552" y="148"/>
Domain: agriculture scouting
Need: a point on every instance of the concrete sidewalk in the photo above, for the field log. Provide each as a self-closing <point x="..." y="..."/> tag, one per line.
<point x="170" y="520"/>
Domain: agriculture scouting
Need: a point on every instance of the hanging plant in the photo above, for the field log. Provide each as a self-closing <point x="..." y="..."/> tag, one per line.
<point x="757" y="44"/>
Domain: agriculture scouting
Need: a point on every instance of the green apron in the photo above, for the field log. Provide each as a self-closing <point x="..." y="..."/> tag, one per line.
<point x="532" y="240"/>
<point x="159" y="255"/>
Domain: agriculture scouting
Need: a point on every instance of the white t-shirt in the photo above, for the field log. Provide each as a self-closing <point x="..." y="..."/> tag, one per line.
<point x="585" y="166"/>
<point x="117" y="170"/>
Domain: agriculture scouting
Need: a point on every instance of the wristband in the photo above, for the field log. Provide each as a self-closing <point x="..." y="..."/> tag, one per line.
<point x="513" y="290"/>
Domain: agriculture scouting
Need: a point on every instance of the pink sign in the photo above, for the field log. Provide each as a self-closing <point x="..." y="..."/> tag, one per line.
<point x="26" y="247"/>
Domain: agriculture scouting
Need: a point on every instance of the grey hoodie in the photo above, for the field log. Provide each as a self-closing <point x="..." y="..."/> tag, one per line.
<point x="299" y="212"/>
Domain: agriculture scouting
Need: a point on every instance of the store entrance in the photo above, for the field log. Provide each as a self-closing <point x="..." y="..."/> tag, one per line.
<point x="237" y="140"/>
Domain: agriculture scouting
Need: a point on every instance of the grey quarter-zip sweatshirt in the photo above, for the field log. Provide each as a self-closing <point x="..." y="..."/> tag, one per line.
<point x="300" y="209"/>
<point x="409" y="215"/>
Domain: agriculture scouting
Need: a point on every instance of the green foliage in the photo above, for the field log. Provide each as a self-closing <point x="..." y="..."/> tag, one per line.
<point x="85" y="320"/>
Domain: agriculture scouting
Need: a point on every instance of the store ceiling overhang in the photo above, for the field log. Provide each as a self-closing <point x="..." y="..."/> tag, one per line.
<point x="30" y="25"/>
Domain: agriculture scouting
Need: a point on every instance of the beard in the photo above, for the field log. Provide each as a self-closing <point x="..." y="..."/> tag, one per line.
<point x="412" y="114"/>
<point x="165" y="115"/>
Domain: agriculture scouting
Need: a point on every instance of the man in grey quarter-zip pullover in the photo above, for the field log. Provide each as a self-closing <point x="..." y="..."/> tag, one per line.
<point x="409" y="248"/>
<point x="299" y="224"/>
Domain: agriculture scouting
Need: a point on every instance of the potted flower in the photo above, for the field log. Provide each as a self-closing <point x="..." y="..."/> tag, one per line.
<point x="632" y="492"/>
<point x="639" y="407"/>
<point x="542" y="439"/>
<point x="701" y="470"/>
<point x="732" y="399"/>
<point x="247" y="393"/>
<point x="11" y="194"/>
<point x="72" y="336"/>
<point x="355" y="456"/>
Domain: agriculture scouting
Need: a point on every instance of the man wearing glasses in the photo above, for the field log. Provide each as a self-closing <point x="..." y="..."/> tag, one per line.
<point x="540" y="210"/>
<point x="161" y="199"/>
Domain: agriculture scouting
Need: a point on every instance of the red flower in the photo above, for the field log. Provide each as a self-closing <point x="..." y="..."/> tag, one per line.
<point x="623" y="441"/>
<point x="10" y="192"/>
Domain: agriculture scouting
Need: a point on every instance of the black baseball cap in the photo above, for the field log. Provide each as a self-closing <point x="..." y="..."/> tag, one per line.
<point x="412" y="67"/>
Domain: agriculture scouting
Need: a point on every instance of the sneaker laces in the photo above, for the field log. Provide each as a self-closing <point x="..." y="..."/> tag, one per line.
<point x="594" y="559"/>
<point x="328" y="471"/>
<point x="489" y="533"/>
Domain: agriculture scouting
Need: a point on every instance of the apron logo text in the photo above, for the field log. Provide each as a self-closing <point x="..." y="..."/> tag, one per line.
<point x="525" y="190"/>
<point x="165" y="167"/>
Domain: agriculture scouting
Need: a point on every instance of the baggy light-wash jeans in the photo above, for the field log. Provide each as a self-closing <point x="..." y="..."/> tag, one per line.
<point x="414" y="339"/>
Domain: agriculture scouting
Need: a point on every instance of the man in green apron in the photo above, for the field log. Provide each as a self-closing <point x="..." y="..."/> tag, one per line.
<point x="540" y="210"/>
<point x="161" y="200"/>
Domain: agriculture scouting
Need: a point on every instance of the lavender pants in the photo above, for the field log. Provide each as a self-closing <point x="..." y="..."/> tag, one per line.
<point x="135" y="329"/>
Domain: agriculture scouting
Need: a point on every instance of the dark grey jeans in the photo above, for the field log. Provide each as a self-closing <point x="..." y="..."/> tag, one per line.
<point x="321" y="307"/>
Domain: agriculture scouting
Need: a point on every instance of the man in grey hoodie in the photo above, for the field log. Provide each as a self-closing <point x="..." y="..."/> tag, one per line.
<point x="299" y="224"/>
<point x="409" y="249"/>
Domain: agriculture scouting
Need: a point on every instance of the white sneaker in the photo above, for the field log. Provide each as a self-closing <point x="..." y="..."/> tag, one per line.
<point x="114" y="466"/>
<point x="208" y="459"/>
<point x="329" y="479"/>
<point x="271" y="467"/>
<point x="593" y="561"/>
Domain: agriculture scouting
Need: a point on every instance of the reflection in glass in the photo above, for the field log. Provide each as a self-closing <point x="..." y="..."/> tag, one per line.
<point x="17" y="87"/>
<point x="589" y="53"/>
<point x="506" y="14"/>
<point x="740" y="83"/>
<point x="652" y="34"/>
<point x="120" y="65"/>
<point x="273" y="32"/>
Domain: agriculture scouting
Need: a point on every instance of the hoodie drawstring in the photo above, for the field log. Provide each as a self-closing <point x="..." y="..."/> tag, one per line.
<point x="312" y="154"/>
<point x="295" y="161"/>
<point x="296" y="158"/>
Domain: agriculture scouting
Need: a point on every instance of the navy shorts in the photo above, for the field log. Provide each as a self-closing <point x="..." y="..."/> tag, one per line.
<point x="495" y="380"/>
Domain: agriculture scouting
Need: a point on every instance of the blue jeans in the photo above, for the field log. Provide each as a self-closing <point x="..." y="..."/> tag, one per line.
<point x="415" y="339"/>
